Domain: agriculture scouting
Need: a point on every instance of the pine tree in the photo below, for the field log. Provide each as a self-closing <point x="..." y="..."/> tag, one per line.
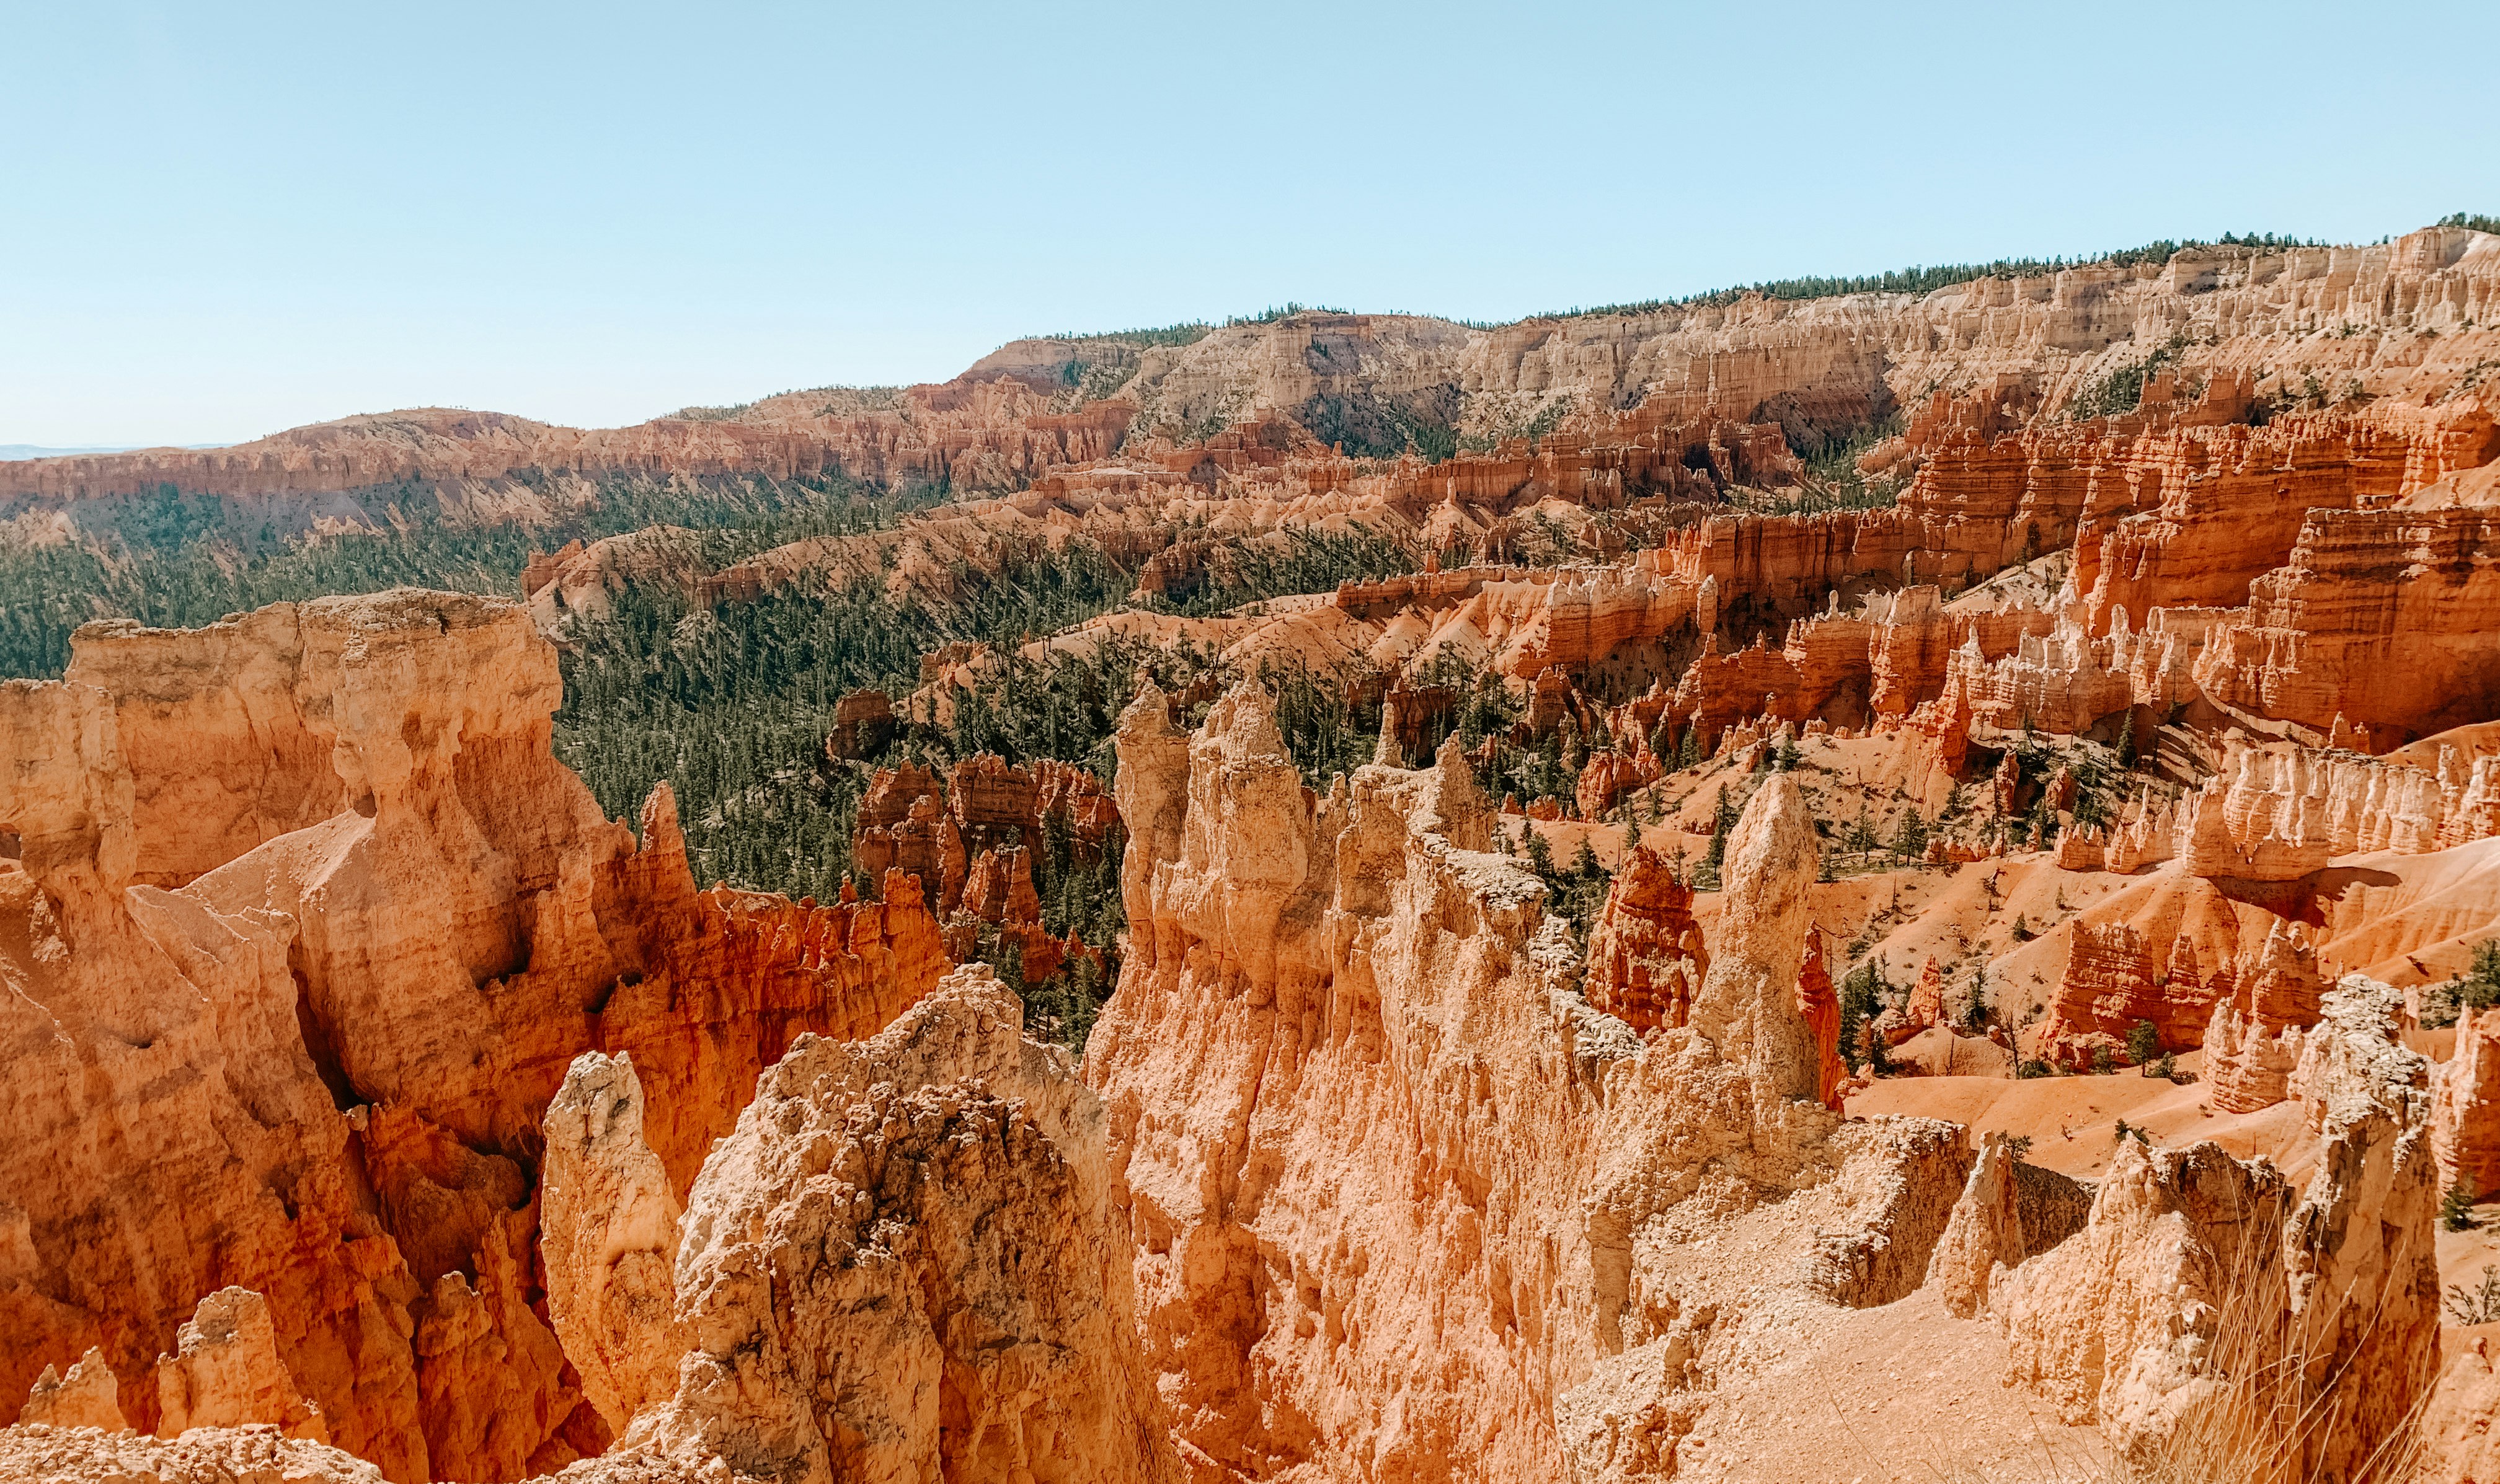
<point x="2456" y="1207"/>
<point x="1584" y="862"/>
<point x="1910" y="841"/>
<point x="1722" y="817"/>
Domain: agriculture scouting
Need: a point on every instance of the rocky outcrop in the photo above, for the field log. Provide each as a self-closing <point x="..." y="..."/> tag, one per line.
<point x="2465" y="1106"/>
<point x="2280" y="812"/>
<point x="85" y="1397"/>
<point x="1645" y="954"/>
<point x="610" y="1241"/>
<point x="64" y="1454"/>
<point x="2111" y="984"/>
<point x="2203" y="1311"/>
<point x="2111" y="1325"/>
<point x="304" y="913"/>
<point x="904" y="1262"/>
<point x="2008" y="1214"/>
<point x="1747" y="1006"/>
<point x="2271" y="996"/>
<point x="937" y="826"/>
<point x="2459" y="1443"/>
<point x="225" y="1373"/>
<point x="2382" y="617"/>
<point x="1364" y="1123"/>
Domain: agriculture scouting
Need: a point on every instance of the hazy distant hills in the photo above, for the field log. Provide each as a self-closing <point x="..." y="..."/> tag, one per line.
<point x="9" y="451"/>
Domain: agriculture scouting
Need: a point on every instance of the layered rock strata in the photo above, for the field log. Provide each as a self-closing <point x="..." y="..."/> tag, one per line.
<point x="2206" y="1307"/>
<point x="1362" y="1126"/>
<point x="304" y="925"/>
<point x="901" y="1264"/>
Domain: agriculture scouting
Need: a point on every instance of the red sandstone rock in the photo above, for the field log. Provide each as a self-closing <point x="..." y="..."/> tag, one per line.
<point x="2109" y="985"/>
<point x="1645" y="955"/>
<point x="359" y="991"/>
<point x="2267" y="998"/>
<point x="1818" y="1002"/>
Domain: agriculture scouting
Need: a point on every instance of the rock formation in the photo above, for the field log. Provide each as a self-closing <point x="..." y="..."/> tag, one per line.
<point x="611" y="1240"/>
<point x="2008" y="1212"/>
<point x="2160" y="1319"/>
<point x="902" y="1263"/>
<point x="1362" y="1123"/>
<point x="225" y="1373"/>
<point x="1645" y="955"/>
<point x="2465" y="1106"/>
<point x="367" y="1084"/>
<point x="88" y="1397"/>
<point x="308" y="916"/>
<point x="2253" y="1043"/>
<point x="1747" y="1006"/>
<point x="60" y="1455"/>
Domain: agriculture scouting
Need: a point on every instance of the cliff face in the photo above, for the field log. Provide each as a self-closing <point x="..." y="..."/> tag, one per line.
<point x="2200" y="1278"/>
<point x="306" y="924"/>
<point x="1368" y="1140"/>
<point x="2410" y="318"/>
<point x="2381" y="618"/>
<point x="901" y="1262"/>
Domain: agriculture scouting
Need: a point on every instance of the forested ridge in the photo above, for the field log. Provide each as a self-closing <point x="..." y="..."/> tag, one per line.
<point x="732" y="703"/>
<point x="174" y="560"/>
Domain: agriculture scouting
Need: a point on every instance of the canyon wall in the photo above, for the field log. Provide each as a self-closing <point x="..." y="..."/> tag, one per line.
<point x="305" y="924"/>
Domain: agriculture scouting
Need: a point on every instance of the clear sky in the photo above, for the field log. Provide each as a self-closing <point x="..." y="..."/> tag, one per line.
<point x="222" y="220"/>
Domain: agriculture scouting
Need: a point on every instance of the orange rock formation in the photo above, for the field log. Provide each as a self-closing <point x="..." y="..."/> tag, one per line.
<point x="306" y="913"/>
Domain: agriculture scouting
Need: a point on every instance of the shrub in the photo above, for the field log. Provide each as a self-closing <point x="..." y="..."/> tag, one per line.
<point x="2478" y="1304"/>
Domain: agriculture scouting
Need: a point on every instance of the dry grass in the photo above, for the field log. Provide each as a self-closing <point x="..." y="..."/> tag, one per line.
<point x="2264" y="1408"/>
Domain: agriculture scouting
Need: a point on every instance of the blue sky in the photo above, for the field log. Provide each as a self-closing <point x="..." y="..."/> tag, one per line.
<point x="225" y="220"/>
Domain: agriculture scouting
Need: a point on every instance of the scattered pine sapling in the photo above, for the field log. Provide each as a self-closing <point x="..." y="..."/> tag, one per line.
<point x="1910" y="841"/>
<point x="2144" y="1043"/>
<point x="2456" y="1207"/>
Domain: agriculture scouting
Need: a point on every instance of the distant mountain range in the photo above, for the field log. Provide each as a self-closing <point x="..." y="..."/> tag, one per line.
<point x="10" y="451"/>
